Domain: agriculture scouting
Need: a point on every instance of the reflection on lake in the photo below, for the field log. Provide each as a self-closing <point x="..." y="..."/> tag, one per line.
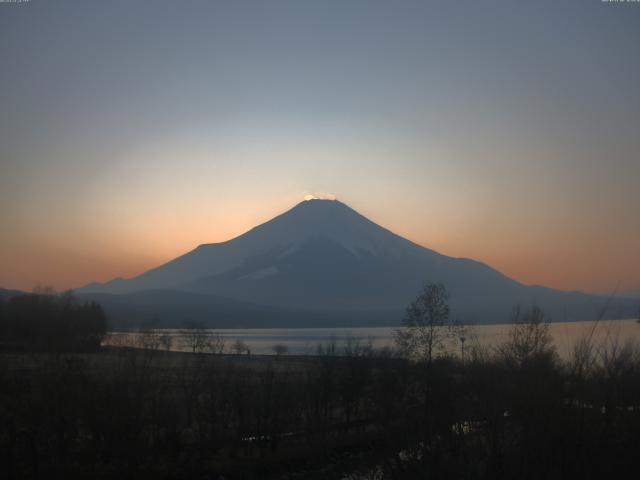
<point x="305" y="341"/>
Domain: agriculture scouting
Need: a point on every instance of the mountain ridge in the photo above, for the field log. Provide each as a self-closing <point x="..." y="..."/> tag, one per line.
<point x="323" y="255"/>
<point x="258" y="229"/>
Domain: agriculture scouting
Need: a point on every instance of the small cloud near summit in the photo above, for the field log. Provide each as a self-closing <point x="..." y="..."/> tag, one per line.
<point x="320" y="196"/>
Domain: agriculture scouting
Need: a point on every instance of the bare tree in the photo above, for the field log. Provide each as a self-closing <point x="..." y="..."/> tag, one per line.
<point x="529" y="337"/>
<point x="355" y="347"/>
<point x="148" y="338"/>
<point x="280" y="349"/>
<point x="216" y="343"/>
<point x="195" y="336"/>
<point x="330" y="349"/>
<point x="166" y="340"/>
<point x="426" y="326"/>
<point x="239" y="347"/>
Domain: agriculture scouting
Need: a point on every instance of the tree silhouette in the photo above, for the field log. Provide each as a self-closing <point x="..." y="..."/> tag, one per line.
<point x="239" y="347"/>
<point x="280" y="349"/>
<point x="426" y="324"/>
<point x="52" y="322"/>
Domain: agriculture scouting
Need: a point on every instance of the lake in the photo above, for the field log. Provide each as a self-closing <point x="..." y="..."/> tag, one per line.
<point x="305" y="341"/>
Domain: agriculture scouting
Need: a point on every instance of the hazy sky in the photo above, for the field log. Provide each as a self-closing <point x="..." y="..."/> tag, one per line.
<point x="505" y="131"/>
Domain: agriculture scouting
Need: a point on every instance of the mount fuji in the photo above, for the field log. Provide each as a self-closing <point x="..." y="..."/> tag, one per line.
<point x="323" y="264"/>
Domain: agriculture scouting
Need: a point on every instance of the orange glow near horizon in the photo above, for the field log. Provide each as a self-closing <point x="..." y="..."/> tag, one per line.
<point x="134" y="248"/>
<point x="429" y="122"/>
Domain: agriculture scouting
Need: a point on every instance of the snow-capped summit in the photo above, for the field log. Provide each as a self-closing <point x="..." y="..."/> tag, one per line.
<point x="310" y="220"/>
<point x="321" y="254"/>
<point x="330" y="219"/>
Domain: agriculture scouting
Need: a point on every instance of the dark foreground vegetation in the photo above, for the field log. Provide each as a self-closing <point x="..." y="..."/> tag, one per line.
<point x="47" y="322"/>
<point x="515" y="411"/>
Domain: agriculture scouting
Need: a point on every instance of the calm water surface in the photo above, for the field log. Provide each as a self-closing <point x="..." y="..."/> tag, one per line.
<point x="305" y="341"/>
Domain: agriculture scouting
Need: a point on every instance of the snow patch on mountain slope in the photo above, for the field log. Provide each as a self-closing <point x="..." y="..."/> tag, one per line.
<point x="286" y="233"/>
<point x="261" y="274"/>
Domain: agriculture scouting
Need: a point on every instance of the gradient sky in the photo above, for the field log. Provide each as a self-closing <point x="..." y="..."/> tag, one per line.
<point x="508" y="132"/>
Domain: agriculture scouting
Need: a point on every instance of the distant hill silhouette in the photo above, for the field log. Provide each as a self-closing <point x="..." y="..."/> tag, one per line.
<point x="5" y="294"/>
<point x="322" y="263"/>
